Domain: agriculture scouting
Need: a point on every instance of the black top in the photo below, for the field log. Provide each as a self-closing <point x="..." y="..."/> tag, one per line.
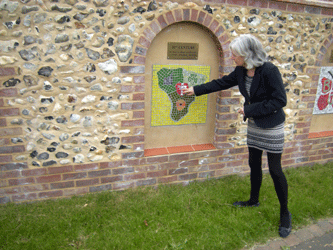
<point x="267" y="93"/>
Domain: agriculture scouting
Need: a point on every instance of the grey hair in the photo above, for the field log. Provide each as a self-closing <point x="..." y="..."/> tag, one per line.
<point x="251" y="48"/>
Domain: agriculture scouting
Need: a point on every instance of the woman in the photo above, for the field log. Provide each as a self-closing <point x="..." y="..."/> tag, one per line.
<point x="260" y="83"/>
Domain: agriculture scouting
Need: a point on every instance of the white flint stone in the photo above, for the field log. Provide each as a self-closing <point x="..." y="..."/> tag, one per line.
<point x="109" y="67"/>
<point x="56" y="108"/>
<point x="7" y="60"/>
<point x="89" y="99"/>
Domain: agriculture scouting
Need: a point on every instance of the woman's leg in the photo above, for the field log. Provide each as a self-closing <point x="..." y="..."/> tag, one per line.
<point x="255" y="156"/>
<point x="281" y="187"/>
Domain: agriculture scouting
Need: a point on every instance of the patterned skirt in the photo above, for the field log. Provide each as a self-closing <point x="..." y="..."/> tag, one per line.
<point x="267" y="139"/>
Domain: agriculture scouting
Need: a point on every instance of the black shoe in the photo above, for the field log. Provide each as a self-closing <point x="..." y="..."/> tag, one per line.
<point x="285" y="231"/>
<point x="245" y="204"/>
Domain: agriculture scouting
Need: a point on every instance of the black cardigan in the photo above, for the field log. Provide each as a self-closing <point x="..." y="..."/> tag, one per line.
<point x="267" y="94"/>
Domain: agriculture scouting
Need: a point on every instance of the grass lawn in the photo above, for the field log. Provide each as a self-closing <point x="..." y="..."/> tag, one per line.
<point x="197" y="216"/>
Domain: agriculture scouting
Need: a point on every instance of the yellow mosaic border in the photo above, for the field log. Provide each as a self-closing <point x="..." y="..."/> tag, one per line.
<point x="161" y="105"/>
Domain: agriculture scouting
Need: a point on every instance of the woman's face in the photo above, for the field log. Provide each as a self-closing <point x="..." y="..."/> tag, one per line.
<point x="239" y="60"/>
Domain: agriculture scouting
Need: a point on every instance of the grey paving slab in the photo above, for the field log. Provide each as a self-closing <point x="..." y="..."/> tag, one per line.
<point x="324" y="242"/>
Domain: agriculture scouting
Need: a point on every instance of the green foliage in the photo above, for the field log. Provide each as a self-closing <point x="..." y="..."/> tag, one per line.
<point x="197" y="216"/>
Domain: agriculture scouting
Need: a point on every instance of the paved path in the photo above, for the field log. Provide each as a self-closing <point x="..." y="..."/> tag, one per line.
<point x="318" y="236"/>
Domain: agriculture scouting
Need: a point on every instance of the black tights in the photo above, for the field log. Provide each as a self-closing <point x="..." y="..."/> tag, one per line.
<point x="275" y="170"/>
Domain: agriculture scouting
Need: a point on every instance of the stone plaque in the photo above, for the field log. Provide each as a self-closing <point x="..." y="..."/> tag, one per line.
<point x="183" y="51"/>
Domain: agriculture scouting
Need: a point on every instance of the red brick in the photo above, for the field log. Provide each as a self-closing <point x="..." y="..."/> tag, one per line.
<point x="178" y="171"/>
<point x="139" y="60"/>
<point x="179" y="157"/>
<point x="157" y="173"/>
<point x="216" y="166"/>
<point x="138" y="114"/>
<point x="155" y="27"/>
<point x="162" y="21"/>
<point x="99" y="173"/>
<point x="201" y="17"/>
<point x="277" y="5"/>
<point x="178" y="15"/>
<point x="312" y="10"/>
<point x="76" y="191"/>
<point x="7" y="71"/>
<point x="13" y="166"/>
<point x="8" y="92"/>
<point x="194" y="15"/>
<point x="207" y="20"/>
<point x="189" y="163"/>
<point x="48" y="178"/>
<point x="132" y="69"/>
<point x="237" y="2"/>
<point x="125" y="170"/>
<point x="88" y="182"/>
<point x="148" y="182"/>
<point x="73" y="176"/>
<point x="139" y="88"/>
<point x="113" y="164"/>
<point x="10" y="131"/>
<point x="12" y="149"/>
<point x="186" y="14"/>
<point x="158" y="159"/>
<point x="327" y="11"/>
<point x="132" y="155"/>
<point x="58" y="170"/>
<point x="132" y="139"/>
<point x="126" y="89"/>
<point x="111" y="179"/>
<point x="141" y="51"/>
<point x="308" y="98"/>
<point x="186" y="177"/>
<point x="10" y="174"/>
<point x="125" y="185"/>
<point x="34" y="172"/>
<point x="219" y="31"/>
<point x="213" y="26"/>
<point x="133" y="106"/>
<point x="35" y="188"/>
<point x="170" y="18"/>
<point x="9" y="112"/>
<point x="168" y="165"/>
<point x="167" y="179"/>
<point x="132" y="123"/>
<point x="3" y="122"/>
<point x="50" y="194"/>
<point x="139" y="97"/>
<point x="5" y="158"/>
<point x="139" y="79"/>
<point x="149" y="34"/>
<point x="61" y="185"/>
<point x="9" y="191"/>
<point x="4" y="141"/>
<point x="21" y="181"/>
<point x="144" y="42"/>
<point x="258" y="3"/>
<point x="134" y="176"/>
<point x="86" y="167"/>
<point x="24" y="197"/>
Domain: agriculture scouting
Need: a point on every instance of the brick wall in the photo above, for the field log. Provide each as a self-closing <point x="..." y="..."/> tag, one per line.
<point x="21" y="181"/>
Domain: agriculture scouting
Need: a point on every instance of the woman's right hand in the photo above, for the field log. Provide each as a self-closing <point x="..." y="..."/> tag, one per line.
<point x="189" y="91"/>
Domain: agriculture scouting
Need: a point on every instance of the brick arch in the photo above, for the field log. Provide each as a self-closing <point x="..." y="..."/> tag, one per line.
<point x="181" y="15"/>
<point x="222" y="41"/>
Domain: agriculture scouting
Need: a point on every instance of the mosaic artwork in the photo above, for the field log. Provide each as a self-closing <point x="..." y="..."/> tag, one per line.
<point x="169" y="105"/>
<point x="324" y="98"/>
